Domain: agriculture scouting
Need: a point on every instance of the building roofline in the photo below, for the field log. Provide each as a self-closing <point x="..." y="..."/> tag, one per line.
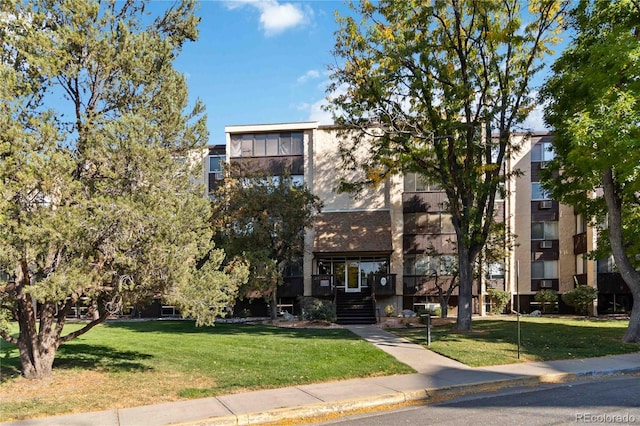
<point x="243" y="128"/>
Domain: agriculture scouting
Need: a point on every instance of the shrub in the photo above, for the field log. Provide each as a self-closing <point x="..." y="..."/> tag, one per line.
<point x="580" y="298"/>
<point x="389" y="310"/>
<point x="499" y="300"/>
<point x="547" y="299"/>
<point x="317" y="310"/>
<point x="435" y="312"/>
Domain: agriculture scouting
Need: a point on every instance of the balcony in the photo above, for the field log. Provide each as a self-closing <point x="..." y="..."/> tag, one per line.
<point x="580" y="243"/>
<point x="291" y="287"/>
<point x="322" y="285"/>
<point x="385" y="284"/>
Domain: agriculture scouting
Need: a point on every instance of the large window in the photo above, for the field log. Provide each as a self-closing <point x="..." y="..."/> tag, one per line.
<point x="606" y="264"/>
<point x="428" y="223"/>
<point x="414" y="182"/>
<point x="267" y="144"/>
<point x="424" y="264"/>
<point x="542" y="151"/>
<point x="546" y="269"/>
<point x="216" y="162"/>
<point x="544" y="230"/>
<point x="495" y="270"/>
<point x="538" y="192"/>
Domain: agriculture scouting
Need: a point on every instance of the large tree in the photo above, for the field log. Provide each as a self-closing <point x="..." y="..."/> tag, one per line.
<point x="438" y="87"/>
<point x="96" y="155"/>
<point x="593" y="100"/>
<point x="263" y="219"/>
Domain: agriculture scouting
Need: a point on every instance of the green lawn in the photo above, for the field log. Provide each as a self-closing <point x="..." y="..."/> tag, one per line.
<point x="133" y="363"/>
<point x="494" y="341"/>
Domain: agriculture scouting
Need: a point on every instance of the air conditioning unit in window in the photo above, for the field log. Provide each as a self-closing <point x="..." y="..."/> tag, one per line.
<point x="546" y="244"/>
<point x="546" y="284"/>
<point x="543" y="205"/>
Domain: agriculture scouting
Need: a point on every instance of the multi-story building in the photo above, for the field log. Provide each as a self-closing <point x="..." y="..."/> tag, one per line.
<point x="388" y="245"/>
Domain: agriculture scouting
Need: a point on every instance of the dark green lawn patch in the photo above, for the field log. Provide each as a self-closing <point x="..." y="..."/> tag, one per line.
<point x="139" y="360"/>
<point x="494" y="341"/>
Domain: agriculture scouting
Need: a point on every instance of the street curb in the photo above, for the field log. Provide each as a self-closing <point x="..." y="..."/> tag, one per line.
<point x="396" y="398"/>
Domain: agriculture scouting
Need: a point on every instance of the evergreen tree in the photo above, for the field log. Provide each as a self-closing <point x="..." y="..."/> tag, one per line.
<point x="96" y="155"/>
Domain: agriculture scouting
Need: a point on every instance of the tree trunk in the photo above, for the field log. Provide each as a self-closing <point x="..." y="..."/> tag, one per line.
<point x="37" y="348"/>
<point x="465" y="309"/>
<point x="627" y="271"/>
<point x="632" y="335"/>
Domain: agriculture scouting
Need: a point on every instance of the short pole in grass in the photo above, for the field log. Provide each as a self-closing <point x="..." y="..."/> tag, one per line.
<point x="428" y="317"/>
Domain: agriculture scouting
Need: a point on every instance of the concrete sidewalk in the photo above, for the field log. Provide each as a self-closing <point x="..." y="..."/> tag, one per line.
<point x="437" y="377"/>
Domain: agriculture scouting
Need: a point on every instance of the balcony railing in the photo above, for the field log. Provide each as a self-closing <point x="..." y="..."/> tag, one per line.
<point x="580" y="243"/>
<point x="323" y="285"/>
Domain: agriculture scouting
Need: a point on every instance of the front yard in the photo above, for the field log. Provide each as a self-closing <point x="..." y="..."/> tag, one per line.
<point x="133" y="363"/>
<point x="494" y="340"/>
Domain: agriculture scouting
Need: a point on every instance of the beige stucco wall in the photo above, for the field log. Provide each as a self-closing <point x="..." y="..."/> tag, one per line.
<point x="566" y="258"/>
<point x="519" y="218"/>
<point x="327" y="169"/>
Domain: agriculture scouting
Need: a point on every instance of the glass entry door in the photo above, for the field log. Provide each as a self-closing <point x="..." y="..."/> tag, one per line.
<point x="353" y="277"/>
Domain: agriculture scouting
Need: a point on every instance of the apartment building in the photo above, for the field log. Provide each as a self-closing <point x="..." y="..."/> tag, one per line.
<point x="393" y="244"/>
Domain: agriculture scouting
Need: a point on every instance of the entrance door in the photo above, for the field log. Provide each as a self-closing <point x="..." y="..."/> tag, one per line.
<point x="353" y="277"/>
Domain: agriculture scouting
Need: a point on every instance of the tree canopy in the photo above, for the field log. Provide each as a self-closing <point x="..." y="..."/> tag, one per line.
<point x="97" y="153"/>
<point x="437" y="88"/>
<point x="263" y="219"/>
<point x="593" y="101"/>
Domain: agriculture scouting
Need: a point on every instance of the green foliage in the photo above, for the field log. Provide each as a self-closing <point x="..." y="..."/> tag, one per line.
<point x="317" y="310"/>
<point x="263" y="219"/>
<point x="581" y="298"/>
<point x="97" y="148"/>
<point x="593" y="99"/>
<point x="547" y="299"/>
<point x="434" y="312"/>
<point x="437" y="81"/>
<point x="499" y="300"/>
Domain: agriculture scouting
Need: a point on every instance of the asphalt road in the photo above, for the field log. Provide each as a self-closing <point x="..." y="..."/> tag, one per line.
<point x="614" y="400"/>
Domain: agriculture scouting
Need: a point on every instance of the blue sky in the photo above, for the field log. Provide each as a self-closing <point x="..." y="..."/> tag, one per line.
<point x="264" y="61"/>
<point x="261" y="61"/>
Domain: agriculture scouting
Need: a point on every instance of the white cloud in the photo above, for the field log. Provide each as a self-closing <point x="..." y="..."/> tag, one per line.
<point x="275" y="17"/>
<point x="309" y="75"/>
<point x="318" y="113"/>
<point x="317" y="110"/>
<point x="535" y="120"/>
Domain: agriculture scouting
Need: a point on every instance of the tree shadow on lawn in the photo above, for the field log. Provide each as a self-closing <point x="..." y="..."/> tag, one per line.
<point x="78" y="355"/>
<point x="189" y="327"/>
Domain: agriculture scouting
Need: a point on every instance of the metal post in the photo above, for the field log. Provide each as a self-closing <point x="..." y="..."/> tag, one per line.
<point x="518" y="302"/>
<point x="428" y="316"/>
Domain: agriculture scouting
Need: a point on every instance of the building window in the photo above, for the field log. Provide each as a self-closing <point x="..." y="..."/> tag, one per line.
<point x="495" y="270"/>
<point x="267" y="144"/>
<point x="538" y="192"/>
<point x="544" y="230"/>
<point x="216" y="163"/>
<point x="546" y="269"/>
<point x="606" y="265"/>
<point x="424" y="264"/>
<point x="428" y="223"/>
<point x="415" y="182"/>
<point x="581" y="224"/>
<point x="581" y="265"/>
<point x="542" y="152"/>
